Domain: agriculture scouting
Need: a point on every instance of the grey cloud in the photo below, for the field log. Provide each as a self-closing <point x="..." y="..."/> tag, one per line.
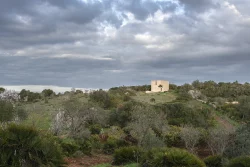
<point x="142" y="9"/>
<point x="78" y="44"/>
<point x="198" y="6"/>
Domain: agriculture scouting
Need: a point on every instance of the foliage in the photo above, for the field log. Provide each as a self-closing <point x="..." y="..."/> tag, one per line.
<point x="79" y="92"/>
<point x="241" y="142"/>
<point x="48" y="92"/>
<point x="218" y="140"/>
<point x="221" y="89"/>
<point x="151" y="140"/>
<point x="25" y="146"/>
<point x="29" y="96"/>
<point x="6" y="111"/>
<point x="2" y="89"/>
<point x="9" y="95"/>
<point x="171" y="157"/>
<point x="142" y="88"/>
<point x="84" y="146"/>
<point x="77" y="117"/>
<point x="109" y="165"/>
<point x="101" y="97"/>
<point x="191" y="113"/>
<point x="152" y="100"/>
<point x="126" y="155"/>
<point x="111" y="144"/>
<point x="21" y="114"/>
<point x="121" y="116"/>
<point x="95" y="142"/>
<point x="173" y="87"/>
<point x="214" y="161"/>
<point x="95" y="128"/>
<point x="184" y="96"/>
<point x="147" y="124"/>
<point x="69" y="146"/>
<point x="190" y="136"/>
<point x="173" y="137"/>
<point x="243" y="161"/>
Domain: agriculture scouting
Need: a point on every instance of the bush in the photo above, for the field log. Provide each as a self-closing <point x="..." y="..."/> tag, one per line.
<point x="111" y="144"/>
<point x="84" y="146"/>
<point x="173" y="138"/>
<point x="243" y="161"/>
<point x="69" y="147"/>
<point x="101" y="97"/>
<point x="95" y="129"/>
<point x="126" y="155"/>
<point x="95" y="142"/>
<point x="25" y="146"/>
<point x="152" y="100"/>
<point x="6" y="111"/>
<point x="214" y="161"/>
<point x="122" y="115"/>
<point x="171" y="157"/>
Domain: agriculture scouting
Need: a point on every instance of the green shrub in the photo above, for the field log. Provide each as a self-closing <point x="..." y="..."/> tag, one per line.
<point x="152" y="100"/>
<point x="171" y="157"/>
<point x="126" y="155"/>
<point x="101" y="97"/>
<point x="214" y="161"/>
<point x="172" y="138"/>
<point x="110" y="145"/>
<point x="122" y="115"/>
<point x="84" y="146"/>
<point x="95" y="142"/>
<point x="7" y="112"/>
<point x="25" y="146"/>
<point x="95" y="129"/>
<point x="242" y="161"/>
<point x="69" y="147"/>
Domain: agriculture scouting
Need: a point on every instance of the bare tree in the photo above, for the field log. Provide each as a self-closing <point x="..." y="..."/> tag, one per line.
<point x="218" y="140"/>
<point x="190" y="136"/>
<point x="10" y="96"/>
<point x="144" y="122"/>
<point x="75" y="116"/>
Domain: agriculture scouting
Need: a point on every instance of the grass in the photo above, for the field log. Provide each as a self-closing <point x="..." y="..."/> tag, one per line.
<point x="161" y="97"/>
<point x="109" y="165"/>
<point x="225" y="117"/>
<point x="41" y="114"/>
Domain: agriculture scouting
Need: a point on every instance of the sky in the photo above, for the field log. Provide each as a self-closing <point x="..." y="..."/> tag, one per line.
<point x="106" y="43"/>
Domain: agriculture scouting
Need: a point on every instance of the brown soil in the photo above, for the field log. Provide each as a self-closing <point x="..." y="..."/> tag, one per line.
<point x="224" y="123"/>
<point x="88" y="161"/>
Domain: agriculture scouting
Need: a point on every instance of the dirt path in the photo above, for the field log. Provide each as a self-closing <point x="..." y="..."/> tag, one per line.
<point x="88" y="161"/>
<point x="225" y="123"/>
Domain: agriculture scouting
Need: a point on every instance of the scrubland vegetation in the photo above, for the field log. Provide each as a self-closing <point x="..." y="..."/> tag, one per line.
<point x="193" y="125"/>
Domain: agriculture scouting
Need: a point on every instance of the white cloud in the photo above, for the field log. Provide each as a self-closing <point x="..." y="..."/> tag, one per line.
<point x="40" y="88"/>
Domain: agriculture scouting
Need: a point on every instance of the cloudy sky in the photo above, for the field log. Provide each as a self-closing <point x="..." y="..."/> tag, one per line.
<point x="105" y="43"/>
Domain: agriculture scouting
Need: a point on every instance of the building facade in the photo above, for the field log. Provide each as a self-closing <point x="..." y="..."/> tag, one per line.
<point x="159" y="86"/>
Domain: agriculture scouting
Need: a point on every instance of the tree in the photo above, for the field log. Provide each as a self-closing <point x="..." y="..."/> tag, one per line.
<point x="2" y="90"/>
<point x="48" y="92"/>
<point x="101" y="97"/>
<point x="7" y="112"/>
<point x="75" y="117"/>
<point x="240" y="144"/>
<point x="244" y="107"/>
<point x="10" y="113"/>
<point x="190" y="136"/>
<point x="147" y="125"/>
<point x="160" y="86"/>
<point x="26" y="147"/>
<point x="9" y="95"/>
<point x="218" y="140"/>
